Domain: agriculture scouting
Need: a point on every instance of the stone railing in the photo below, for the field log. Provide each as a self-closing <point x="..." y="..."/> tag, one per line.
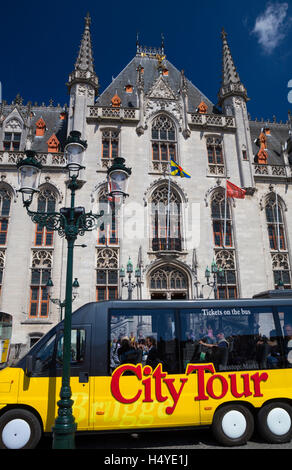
<point x="211" y="120"/>
<point x="216" y="170"/>
<point x="47" y="159"/>
<point x="104" y="112"/>
<point x="280" y="171"/>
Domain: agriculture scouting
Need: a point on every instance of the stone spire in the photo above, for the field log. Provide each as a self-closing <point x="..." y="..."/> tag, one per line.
<point x="84" y="69"/>
<point x="231" y="84"/>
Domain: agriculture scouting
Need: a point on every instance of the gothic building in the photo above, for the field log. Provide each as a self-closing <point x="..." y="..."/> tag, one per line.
<point x="172" y="228"/>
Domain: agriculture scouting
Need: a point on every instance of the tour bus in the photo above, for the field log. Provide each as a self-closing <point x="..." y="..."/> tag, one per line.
<point x="141" y="365"/>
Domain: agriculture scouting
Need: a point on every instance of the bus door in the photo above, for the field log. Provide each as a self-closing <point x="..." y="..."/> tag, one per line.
<point x="137" y="398"/>
<point x="41" y="389"/>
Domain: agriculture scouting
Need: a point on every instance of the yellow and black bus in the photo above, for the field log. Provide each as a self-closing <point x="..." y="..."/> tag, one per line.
<point x="140" y="365"/>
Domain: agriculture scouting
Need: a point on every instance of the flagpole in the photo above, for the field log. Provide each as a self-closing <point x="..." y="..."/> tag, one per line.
<point x="277" y="218"/>
<point x="225" y="213"/>
<point x="168" y="202"/>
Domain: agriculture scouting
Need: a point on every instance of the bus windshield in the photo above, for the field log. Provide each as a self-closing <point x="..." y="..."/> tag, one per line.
<point x="5" y="337"/>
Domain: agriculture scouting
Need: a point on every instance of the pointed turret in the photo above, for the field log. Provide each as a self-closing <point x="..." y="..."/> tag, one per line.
<point x="84" y="69"/>
<point x="231" y="84"/>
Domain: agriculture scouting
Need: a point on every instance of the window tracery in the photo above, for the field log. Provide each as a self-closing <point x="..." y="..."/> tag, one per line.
<point x="166" y="219"/>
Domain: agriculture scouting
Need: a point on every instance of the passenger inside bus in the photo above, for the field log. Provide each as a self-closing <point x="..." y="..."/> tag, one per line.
<point x="235" y="339"/>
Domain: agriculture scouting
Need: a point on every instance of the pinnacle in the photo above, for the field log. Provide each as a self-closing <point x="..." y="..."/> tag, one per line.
<point x="231" y="84"/>
<point x="85" y="56"/>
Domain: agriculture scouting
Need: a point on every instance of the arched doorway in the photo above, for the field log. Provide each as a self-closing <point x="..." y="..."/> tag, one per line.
<point x="168" y="283"/>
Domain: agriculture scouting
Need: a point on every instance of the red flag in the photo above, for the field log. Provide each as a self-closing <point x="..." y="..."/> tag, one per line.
<point x="234" y="191"/>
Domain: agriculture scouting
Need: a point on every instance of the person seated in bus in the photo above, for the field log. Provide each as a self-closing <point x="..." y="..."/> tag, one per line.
<point x="114" y="358"/>
<point x="190" y="336"/>
<point x="288" y="343"/>
<point x="127" y="353"/>
<point x="274" y="354"/>
<point x="152" y="357"/>
<point x="221" y="352"/>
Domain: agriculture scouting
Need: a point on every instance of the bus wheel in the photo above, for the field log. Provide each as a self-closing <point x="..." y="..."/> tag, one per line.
<point x="233" y="425"/>
<point x="19" y="429"/>
<point x="274" y="422"/>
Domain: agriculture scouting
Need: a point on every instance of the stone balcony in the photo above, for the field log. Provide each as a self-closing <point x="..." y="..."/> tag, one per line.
<point x="262" y="172"/>
<point x="110" y="113"/>
<point x="10" y="158"/>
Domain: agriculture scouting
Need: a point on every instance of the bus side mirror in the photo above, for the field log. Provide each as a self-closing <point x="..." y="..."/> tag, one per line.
<point x="29" y="365"/>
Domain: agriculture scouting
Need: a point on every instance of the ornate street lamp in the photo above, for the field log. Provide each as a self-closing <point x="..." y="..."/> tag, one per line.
<point x="60" y="303"/>
<point x="130" y="284"/>
<point x="69" y="223"/>
<point x="118" y="175"/>
<point x="218" y="275"/>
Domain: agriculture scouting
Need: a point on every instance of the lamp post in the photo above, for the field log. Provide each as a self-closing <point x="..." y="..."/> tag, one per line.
<point x="130" y="284"/>
<point x="69" y="222"/>
<point x="218" y="275"/>
<point x="61" y="304"/>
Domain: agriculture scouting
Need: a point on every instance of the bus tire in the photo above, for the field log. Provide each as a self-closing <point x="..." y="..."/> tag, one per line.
<point x="274" y="422"/>
<point x="19" y="429"/>
<point x="233" y="425"/>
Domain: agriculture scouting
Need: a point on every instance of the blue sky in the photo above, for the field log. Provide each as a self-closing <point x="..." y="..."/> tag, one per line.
<point x="40" y="42"/>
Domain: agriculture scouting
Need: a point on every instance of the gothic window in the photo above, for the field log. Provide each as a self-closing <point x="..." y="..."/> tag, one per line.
<point x="277" y="242"/>
<point x="168" y="280"/>
<point x="227" y="286"/>
<point x="221" y="220"/>
<point x="40" y="273"/>
<point x="109" y="234"/>
<point x="46" y="203"/>
<point x="110" y="144"/>
<point x="163" y="136"/>
<point x="2" y="261"/>
<point x="5" y="203"/>
<point x="275" y="224"/>
<point x="281" y="270"/>
<point x="223" y="238"/>
<point x="166" y="220"/>
<point x="107" y="274"/>
<point x="215" y="155"/>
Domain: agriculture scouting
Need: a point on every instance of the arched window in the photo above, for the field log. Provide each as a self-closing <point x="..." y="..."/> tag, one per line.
<point x="46" y="203"/>
<point x="40" y="273"/>
<point x="275" y="224"/>
<point x="221" y="220"/>
<point x="163" y="136"/>
<point x="224" y="245"/>
<point x="168" y="282"/>
<point x="2" y="265"/>
<point x="278" y="242"/>
<point x="166" y="219"/>
<point x="109" y="234"/>
<point x="5" y="203"/>
<point x="107" y="274"/>
<point x="227" y="286"/>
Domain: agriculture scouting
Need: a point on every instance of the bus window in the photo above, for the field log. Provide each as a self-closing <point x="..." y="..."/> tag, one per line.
<point x="44" y="357"/>
<point x="77" y="347"/>
<point x="285" y="316"/>
<point x="232" y="338"/>
<point x="5" y="336"/>
<point x="143" y="336"/>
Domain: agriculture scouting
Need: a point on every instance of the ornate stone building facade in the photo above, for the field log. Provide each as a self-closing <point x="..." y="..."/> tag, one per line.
<point x="171" y="227"/>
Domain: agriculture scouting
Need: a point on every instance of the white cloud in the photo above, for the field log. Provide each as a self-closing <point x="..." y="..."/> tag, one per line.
<point x="271" y="26"/>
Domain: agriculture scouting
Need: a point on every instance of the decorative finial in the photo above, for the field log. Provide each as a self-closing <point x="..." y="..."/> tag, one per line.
<point x="87" y="19"/>
<point x="223" y="34"/>
<point x="162" y="42"/>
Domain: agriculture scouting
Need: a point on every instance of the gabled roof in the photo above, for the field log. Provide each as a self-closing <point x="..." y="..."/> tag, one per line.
<point x="151" y="72"/>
